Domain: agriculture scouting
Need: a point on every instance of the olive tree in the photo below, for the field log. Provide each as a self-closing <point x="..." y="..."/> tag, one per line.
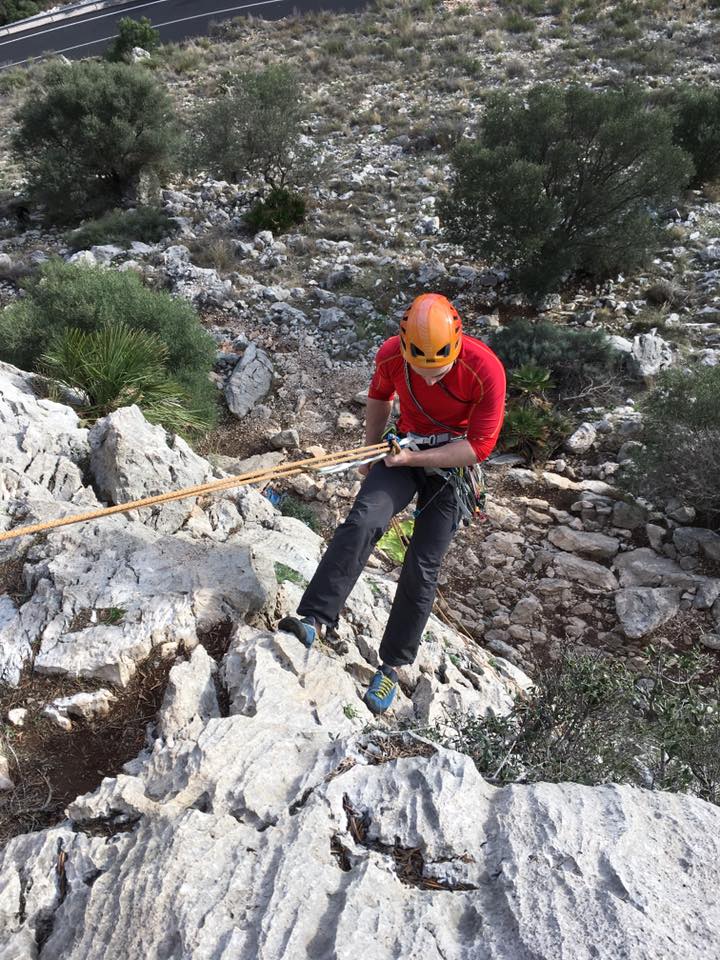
<point x="565" y="181"/>
<point x="253" y="129"/>
<point x="88" y="132"/>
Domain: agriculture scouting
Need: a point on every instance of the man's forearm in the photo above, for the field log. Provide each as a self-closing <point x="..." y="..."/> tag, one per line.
<point x="376" y="418"/>
<point x="459" y="453"/>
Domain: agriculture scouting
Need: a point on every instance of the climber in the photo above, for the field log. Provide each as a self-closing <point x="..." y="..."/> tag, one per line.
<point x="451" y="389"/>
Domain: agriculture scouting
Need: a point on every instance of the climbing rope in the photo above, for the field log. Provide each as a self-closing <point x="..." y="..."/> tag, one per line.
<point x="329" y="463"/>
<point x="343" y="459"/>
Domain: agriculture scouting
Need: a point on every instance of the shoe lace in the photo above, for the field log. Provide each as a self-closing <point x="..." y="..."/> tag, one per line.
<point x="384" y="687"/>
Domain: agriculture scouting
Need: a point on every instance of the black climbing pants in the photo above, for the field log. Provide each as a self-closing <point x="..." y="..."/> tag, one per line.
<point x="385" y="492"/>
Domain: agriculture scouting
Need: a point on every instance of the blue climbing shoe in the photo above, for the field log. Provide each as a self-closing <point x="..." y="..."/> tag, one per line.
<point x="303" y="629"/>
<point x="381" y="692"/>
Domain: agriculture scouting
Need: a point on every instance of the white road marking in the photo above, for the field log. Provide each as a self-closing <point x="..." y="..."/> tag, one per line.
<point x="169" y="23"/>
<point x="76" y="21"/>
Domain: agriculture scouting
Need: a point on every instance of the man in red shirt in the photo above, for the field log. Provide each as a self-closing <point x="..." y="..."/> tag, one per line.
<point x="451" y="389"/>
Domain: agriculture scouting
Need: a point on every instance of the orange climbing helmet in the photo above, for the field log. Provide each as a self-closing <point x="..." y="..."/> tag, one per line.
<point x="430" y="331"/>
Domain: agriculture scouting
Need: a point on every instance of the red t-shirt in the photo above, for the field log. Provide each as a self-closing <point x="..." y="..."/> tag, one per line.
<point x="474" y="402"/>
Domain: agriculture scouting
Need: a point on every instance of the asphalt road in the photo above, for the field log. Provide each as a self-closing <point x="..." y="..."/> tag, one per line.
<point x="88" y="35"/>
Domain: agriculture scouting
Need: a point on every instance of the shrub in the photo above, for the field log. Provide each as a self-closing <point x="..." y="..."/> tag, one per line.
<point x="149" y="224"/>
<point x="564" y="184"/>
<point x="696" y="127"/>
<point x="531" y="432"/>
<point x="13" y="79"/>
<point x="279" y="211"/>
<point x="116" y="367"/>
<point x="214" y="250"/>
<point x="292" y="507"/>
<point x="532" y="384"/>
<point x="680" y="457"/>
<point x="86" y="135"/>
<point x="253" y="130"/>
<point x="515" y="22"/>
<point x="67" y="296"/>
<point x="575" y="358"/>
<point x="132" y="33"/>
<point x="442" y="134"/>
<point x="11" y="10"/>
<point x="593" y="721"/>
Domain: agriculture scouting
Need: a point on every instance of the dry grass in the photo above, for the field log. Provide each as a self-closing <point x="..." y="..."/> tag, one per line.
<point x="51" y="766"/>
<point x="409" y="862"/>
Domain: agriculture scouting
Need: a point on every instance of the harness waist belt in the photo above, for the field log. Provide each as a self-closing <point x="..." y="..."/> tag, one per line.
<point x="434" y="439"/>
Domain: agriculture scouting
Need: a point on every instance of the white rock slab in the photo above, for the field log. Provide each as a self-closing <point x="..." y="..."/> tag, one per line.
<point x="592" y="576"/>
<point x="643" y="609"/>
<point x="593" y="546"/>
<point x="131" y="459"/>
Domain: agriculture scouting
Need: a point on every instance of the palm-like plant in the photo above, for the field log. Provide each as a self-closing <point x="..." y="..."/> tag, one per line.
<point x="531" y="432"/>
<point x="116" y="367"/>
<point x="532" y="382"/>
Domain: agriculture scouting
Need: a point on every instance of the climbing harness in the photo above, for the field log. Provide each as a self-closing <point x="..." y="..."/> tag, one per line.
<point x="366" y="454"/>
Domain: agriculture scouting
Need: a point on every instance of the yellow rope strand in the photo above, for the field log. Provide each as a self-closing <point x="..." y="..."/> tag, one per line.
<point x="255" y="476"/>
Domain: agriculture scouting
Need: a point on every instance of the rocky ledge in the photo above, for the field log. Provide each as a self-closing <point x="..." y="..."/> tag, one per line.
<point x="268" y="815"/>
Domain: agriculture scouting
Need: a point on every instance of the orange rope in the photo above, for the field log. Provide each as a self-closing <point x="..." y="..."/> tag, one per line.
<point x="254" y="476"/>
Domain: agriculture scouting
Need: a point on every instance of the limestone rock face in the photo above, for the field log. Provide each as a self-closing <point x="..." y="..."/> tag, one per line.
<point x="265" y="838"/>
<point x="649" y="355"/>
<point x="197" y="284"/>
<point x="691" y="540"/>
<point x="190" y="693"/>
<point x="593" y="546"/>
<point x="644" y="568"/>
<point x="582" y="439"/>
<point x="163" y="589"/>
<point x="593" y="576"/>
<point x="42" y="447"/>
<point x="131" y="458"/>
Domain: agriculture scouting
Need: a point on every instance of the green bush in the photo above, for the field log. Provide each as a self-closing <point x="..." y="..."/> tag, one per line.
<point x="279" y="211"/>
<point x="531" y="432"/>
<point x="680" y="457"/>
<point x="696" y="127"/>
<point x="593" y="721"/>
<point x="392" y="542"/>
<point x="121" y="227"/>
<point x="88" y="132"/>
<point x="11" y="10"/>
<point x="515" y="22"/>
<point x="132" y="33"/>
<point x="564" y="181"/>
<point x="291" y="506"/>
<point x="13" y="79"/>
<point x="532" y="384"/>
<point x="117" y="367"/>
<point x="253" y="130"/>
<point x="66" y="296"/>
<point x="575" y="358"/>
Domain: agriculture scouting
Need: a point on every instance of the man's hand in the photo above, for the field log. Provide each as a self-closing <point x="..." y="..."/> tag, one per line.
<point x="403" y="459"/>
<point x="364" y="469"/>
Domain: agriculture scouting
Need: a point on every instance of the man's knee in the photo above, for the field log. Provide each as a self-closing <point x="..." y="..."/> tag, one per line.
<point x="371" y="513"/>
